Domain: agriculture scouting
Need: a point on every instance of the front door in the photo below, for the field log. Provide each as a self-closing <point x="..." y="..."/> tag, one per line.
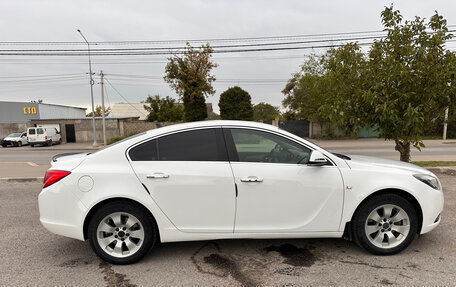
<point x="189" y="177"/>
<point x="277" y="190"/>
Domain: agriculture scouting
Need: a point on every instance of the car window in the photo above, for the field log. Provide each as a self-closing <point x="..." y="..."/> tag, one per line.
<point x="196" y="145"/>
<point x="31" y="131"/>
<point x="259" y="146"/>
<point x="40" y="131"/>
<point x="14" y="135"/>
<point x="144" y="152"/>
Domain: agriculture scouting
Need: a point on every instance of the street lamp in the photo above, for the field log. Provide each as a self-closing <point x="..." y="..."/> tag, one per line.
<point x="91" y="92"/>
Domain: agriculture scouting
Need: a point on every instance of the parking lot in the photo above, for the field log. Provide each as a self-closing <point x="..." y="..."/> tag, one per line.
<point x="32" y="256"/>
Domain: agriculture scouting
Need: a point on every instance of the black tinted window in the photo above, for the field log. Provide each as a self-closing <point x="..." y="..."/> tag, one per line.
<point x="197" y="145"/>
<point x="31" y="131"/>
<point x="40" y="131"/>
<point x="144" y="152"/>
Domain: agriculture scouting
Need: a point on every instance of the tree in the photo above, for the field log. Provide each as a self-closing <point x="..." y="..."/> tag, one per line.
<point x="411" y="78"/>
<point x="404" y="83"/>
<point x="235" y="104"/>
<point x="265" y="112"/>
<point x="189" y="75"/>
<point x="98" y="111"/>
<point x="163" y="109"/>
<point x="306" y="91"/>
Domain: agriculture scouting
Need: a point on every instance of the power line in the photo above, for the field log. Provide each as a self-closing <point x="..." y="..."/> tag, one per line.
<point x="142" y="112"/>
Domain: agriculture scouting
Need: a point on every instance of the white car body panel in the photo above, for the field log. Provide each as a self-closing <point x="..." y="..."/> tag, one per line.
<point x="64" y="206"/>
<point x="291" y="198"/>
<point x="196" y="197"/>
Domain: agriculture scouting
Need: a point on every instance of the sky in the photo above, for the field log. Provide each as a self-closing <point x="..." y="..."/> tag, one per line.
<point x="262" y="74"/>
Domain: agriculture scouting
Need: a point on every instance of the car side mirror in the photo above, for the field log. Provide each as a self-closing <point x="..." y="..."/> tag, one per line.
<point x="317" y="159"/>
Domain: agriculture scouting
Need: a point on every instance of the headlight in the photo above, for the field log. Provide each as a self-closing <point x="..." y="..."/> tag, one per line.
<point x="430" y="180"/>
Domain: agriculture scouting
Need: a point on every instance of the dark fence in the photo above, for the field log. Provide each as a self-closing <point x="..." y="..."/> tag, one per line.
<point x="297" y="127"/>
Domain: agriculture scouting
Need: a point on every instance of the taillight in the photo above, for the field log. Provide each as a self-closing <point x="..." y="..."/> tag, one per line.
<point x="52" y="176"/>
<point x="45" y="137"/>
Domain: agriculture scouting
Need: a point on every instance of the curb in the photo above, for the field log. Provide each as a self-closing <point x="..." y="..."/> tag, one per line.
<point x="21" y="179"/>
<point x="442" y="169"/>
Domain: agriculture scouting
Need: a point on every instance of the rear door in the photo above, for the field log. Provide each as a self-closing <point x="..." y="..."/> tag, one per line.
<point x="188" y="175"/>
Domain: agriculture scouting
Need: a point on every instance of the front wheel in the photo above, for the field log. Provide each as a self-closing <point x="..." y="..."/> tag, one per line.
<point x="122" y="232"/>
<point x="19" y="143"/>
<point x="385" y="224"/>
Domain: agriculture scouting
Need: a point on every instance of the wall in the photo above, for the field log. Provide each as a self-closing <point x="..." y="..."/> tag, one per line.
<point x="9" y="128"/>
<point x="16" y="112"/>
<point x="134" y="127"/>
<point x="83" y="128"/>
<point x="317" y="130"/>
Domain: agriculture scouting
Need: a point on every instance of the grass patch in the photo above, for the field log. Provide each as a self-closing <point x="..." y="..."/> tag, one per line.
<point x="434" y="163"/>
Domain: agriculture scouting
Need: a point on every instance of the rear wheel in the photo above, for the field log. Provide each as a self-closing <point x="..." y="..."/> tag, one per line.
<point x="385" y="224"/>
<point x="122" y="232"/>
<point x="4" y="145"/>
<point x="49" y="143"/>
<point x="32" y="145"/>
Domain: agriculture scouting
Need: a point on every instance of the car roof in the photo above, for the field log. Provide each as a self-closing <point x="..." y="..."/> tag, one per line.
<point x="216" y="123"/>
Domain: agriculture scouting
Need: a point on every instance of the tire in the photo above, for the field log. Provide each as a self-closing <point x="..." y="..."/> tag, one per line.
<point x="398" y="224"/>
<point x="4" y="145"/>
<point x="32" y="145"/>
<point x="49" y="143"/>
<point x="60" y="141"/>
<point x="19" y="143"/>
<point x="103" y="229"/>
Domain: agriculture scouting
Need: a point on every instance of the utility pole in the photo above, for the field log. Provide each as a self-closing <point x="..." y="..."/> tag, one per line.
<point x="91" y="92"/>
<point x="445" y="124"/>
<point x="103" y="111"/>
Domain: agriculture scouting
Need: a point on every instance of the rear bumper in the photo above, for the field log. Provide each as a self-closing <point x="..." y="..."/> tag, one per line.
<point x="61" y="212"/>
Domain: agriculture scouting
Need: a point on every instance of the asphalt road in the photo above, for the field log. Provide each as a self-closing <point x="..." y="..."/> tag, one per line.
<point x="30" y="255"/>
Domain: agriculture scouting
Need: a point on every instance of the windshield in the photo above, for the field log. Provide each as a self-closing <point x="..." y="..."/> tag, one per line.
<point x="15" y="135"/>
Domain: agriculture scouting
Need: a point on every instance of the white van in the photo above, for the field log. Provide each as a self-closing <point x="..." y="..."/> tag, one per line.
<point x="43" y="136"/>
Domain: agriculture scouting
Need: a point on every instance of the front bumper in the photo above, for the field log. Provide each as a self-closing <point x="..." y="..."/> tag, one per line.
<point x="61" y="212"/>
<point x="432" y="206"/>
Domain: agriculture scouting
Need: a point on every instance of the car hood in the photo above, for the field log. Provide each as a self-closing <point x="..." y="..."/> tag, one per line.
<point x="359" y="161"/>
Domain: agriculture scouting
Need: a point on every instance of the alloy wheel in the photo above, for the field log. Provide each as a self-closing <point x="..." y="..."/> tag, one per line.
<point x="120" y="234"/>
<point x="387" y="226"/>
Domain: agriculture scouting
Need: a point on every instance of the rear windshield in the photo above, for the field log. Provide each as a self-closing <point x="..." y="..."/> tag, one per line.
<point x="40" y="131"/>
<point x="31" y="131"/>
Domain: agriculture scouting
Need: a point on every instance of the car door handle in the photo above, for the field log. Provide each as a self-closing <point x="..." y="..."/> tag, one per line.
<point x="157" y="175"/>
<point x="251" y="179"/>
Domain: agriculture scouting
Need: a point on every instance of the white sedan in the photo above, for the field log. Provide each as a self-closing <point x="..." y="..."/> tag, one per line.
<point x="233" y="179"/>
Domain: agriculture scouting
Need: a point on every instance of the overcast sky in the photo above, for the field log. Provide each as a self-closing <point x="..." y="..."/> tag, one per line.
<point x="57" y="20"/>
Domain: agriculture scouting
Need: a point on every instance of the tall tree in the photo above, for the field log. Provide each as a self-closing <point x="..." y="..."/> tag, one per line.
<point x="163" y="109"/>
<point x="411" y="79"/>
<point x="265" y="112"/>
<point x="235" y="104"/>
<point x="404" y="83"/>
<point x="189" y="75"/>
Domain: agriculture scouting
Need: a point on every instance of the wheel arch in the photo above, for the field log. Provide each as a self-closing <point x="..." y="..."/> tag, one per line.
<point x="400" y="192"/>
<point x="111" y="200"/>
